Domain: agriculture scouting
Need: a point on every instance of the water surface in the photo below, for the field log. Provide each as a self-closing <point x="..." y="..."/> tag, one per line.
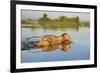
<point x="79" y="48"/>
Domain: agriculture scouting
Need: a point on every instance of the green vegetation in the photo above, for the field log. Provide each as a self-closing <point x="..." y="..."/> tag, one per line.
<point x="85" y="24"/>
<point x="60" y="22"/>
<point x="29" y="21"/>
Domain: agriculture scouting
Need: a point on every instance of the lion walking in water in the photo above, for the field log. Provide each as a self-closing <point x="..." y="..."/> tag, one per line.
<point x="47" y="40"/>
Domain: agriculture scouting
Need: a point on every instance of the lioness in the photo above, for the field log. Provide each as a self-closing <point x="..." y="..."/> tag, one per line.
<point x="47" y="40"/>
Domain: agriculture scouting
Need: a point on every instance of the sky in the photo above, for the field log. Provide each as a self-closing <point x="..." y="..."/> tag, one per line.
<point x="33" y="14"/>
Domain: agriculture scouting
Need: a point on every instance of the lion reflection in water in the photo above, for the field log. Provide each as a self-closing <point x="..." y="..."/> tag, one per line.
<point x="63" y="47"/>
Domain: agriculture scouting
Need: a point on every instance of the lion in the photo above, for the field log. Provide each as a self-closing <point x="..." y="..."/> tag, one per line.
<point x="48" y="40"/>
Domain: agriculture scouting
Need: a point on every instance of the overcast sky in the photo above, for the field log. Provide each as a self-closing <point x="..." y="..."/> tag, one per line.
<point x="31" y="14"/>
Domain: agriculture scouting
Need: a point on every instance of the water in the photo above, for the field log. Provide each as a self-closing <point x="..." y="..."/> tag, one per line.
<point x="79" y="48"/>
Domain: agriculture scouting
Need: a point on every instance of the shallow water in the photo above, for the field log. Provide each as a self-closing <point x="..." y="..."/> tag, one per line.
<point x="79" y="48"/>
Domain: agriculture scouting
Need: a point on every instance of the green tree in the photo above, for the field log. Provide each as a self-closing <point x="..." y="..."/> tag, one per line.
<point x="44" y="18"/>
<point x="45" y="15"/>
<point x="63" y="18"/>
